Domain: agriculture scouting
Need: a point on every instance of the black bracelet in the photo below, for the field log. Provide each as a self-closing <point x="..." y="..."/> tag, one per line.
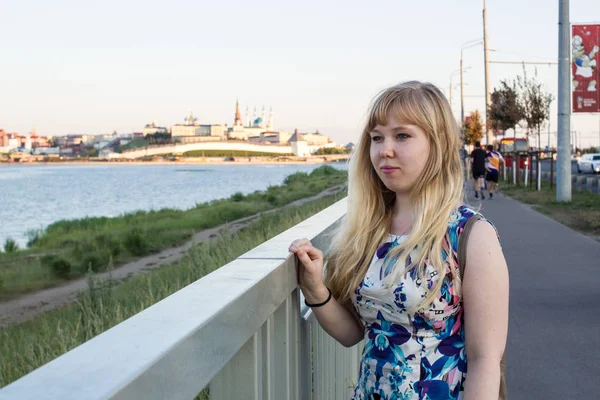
<point x="319" y="304"/>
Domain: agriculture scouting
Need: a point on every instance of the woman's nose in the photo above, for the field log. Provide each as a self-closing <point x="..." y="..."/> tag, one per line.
<point x="387" y="150"/>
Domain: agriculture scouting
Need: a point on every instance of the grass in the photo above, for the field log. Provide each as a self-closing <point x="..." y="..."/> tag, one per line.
<point x="581" y="214"/>
<point x="232" y="153"/>
<point x="27" y="346"/>
<point x="67" y="249"/>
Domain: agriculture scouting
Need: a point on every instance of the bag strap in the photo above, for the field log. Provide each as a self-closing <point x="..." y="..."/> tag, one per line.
<point x="463" y="239"/>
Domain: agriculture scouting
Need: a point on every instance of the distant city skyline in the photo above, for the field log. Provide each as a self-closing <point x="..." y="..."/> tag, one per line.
<point x="74" y="67"/>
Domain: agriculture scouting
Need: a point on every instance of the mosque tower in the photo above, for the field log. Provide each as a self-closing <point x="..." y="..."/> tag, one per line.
<point x="238" y="115"/>
<point x="247" y="117"/>
<point x="270" y="125"/>
<point x="262" y="117"/>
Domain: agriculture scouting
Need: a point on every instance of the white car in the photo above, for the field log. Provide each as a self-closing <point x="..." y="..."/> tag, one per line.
<point x="589" y="163"/>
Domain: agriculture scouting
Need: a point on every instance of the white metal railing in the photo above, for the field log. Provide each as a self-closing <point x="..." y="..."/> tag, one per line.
<point x="241" y="330"/>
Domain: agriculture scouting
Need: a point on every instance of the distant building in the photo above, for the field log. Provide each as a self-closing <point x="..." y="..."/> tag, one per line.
<point x="192" y="131"/>
<point x="3" y="138"/>
<point x="316" y="139"/>
<point x="271" y="137"/>
<point x="74" y="140"/>
<point x="101" y="144"/>
<point x="151" y="129"/>
<point x="43" y="151"/>
<point x="299" y="145"/>
<point x="253" y="128"/>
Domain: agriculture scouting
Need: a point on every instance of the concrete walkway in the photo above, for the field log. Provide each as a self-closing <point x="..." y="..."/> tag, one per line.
<point x="553" y="349"/>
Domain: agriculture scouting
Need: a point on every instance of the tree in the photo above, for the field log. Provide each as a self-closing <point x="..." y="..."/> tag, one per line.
<point x="473" y="128"/>
<point x="535" y="103"/>
<point x="505" y="111"/>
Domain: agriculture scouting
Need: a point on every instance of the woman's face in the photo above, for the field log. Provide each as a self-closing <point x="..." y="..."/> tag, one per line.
<point x="399" y="152"/>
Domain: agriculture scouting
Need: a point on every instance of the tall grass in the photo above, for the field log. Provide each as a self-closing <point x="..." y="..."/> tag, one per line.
<point x="27" y="346"/>
<point x="67" y="249"/>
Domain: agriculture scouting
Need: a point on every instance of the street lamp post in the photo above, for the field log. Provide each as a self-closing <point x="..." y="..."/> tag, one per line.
<point x="488" y="98"/>
<point x="469" y="44"/>
<point x="453" y="73"/>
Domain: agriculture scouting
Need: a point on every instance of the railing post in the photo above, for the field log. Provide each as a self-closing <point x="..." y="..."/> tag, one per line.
<point x="306" y="359"/>
<point x="539" y="174"/>
<point x="241" y="378"/>
<point x="551" y="170"/>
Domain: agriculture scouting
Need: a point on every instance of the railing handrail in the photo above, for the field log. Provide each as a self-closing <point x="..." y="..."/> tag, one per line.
<point x="174" y="348"/>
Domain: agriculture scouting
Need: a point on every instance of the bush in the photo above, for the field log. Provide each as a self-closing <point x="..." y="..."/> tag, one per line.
<point x="60" y="267"/>
<point x="10" y="246"/>
<point x="272" y="199"/>
<point x="237" y="197"/>
<point x="136" y="243"/>
<point x="33" y="237"/>
<point x="112" y="245"/>
<point x="323" y="170"/>
<point x="295" y="177"/>
<point x="96" y="261"/>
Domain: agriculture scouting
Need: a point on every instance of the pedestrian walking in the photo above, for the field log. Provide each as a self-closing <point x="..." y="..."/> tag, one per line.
<point x="478" y="157"/>
<point x="492" y="169"/>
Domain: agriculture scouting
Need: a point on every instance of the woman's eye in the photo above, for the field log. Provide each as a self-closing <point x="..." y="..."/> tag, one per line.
<point x="375" y="138"/>
<point x="402" y="136"/>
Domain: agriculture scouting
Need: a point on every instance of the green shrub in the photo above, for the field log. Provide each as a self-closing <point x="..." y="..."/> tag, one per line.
<point x="323" y="170"/>
<point x="136" y="242"/>
<point x="295" y="177"/>
<point x="110" y="243"/>
<point x="10" y="246"/>
<point x="97" y="261"/>
<point x="237" y="197"/>
<point x="61" y="268"/>
<point x="272" y="199"/>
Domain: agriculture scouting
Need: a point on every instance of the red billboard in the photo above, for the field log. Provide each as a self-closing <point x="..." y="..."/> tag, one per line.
<point x="585" y="61"/>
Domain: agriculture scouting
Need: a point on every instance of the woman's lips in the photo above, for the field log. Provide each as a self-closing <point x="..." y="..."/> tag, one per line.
<point x="388" y="170"/>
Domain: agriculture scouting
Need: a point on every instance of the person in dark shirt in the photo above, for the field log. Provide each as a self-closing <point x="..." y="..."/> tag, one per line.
<point x="478" y="156"/>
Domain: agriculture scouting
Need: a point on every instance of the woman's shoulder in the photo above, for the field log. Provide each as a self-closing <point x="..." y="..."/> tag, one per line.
<point x="464" y="213"/>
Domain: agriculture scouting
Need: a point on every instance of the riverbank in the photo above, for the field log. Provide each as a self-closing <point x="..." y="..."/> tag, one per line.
<point x="29" y="345"/>
<point x="66" y="250"/>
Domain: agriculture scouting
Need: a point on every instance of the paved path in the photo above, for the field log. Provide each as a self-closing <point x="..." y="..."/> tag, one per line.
<point x="553" y="349"/>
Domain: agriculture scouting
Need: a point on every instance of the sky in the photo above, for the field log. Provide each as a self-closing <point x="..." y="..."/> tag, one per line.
<point x="93" y="67"/>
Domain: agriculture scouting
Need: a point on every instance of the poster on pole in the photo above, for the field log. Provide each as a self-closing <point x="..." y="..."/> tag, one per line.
<point x="585" y="61"/>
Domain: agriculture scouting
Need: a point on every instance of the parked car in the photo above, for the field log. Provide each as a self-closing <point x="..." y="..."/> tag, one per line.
<point x="589" y="163"/>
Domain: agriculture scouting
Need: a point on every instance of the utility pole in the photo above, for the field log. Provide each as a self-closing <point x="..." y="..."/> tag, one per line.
<point x="465" y="46"/>
<point x="488" y="98"/>
<point x="563" y="160"/>
<point x="462" y="95"/>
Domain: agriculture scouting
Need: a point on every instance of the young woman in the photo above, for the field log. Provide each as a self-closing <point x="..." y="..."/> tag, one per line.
<point x="392" y="275"/>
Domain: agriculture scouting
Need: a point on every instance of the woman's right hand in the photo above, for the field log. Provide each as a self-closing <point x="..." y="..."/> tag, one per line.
<point x="310" y="274"/>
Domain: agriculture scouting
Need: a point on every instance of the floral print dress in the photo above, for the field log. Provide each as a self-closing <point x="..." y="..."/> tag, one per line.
<point x="412" y="355"/>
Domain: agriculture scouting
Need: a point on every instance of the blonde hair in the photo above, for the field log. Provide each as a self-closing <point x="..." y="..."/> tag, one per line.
<point x="437" y="193"/>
